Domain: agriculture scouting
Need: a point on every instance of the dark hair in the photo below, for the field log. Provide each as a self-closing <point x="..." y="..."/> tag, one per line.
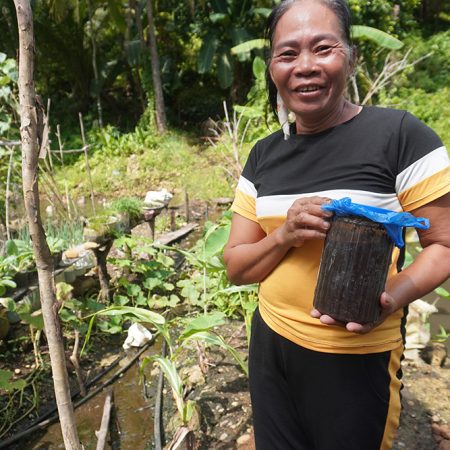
<point x="339" y="7"/>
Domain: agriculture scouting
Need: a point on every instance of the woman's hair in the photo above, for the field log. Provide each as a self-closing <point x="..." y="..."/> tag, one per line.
<point x="339" y="7"/>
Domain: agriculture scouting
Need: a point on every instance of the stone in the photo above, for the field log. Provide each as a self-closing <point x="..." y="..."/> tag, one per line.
<point x="242" y="440"/>
<point x="223" y="437"/>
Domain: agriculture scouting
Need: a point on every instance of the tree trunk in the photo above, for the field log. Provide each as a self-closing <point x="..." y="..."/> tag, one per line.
<point x="161" y="121"/>
<point x="44" y="261"/>
<point x="94" y="65"/>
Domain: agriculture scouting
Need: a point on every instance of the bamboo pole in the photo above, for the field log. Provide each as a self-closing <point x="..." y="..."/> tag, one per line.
<point x="44" y="260"/>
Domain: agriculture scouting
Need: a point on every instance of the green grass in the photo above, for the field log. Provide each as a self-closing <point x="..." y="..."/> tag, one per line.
<point x="169" y="162"/>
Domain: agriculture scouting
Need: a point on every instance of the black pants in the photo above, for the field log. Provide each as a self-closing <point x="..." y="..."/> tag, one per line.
<point x="307" y="400"/>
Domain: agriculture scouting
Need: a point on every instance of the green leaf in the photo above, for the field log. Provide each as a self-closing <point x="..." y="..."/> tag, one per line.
<point x="189" y="291"/>
<point x="248" y="46"/>
<point x="151" y="283"/>
<point x="8" y="283"/>
<point x="265" y="12"/>
<point x="216" y="241"/>
<point x="6" y="383"/>
<point x="442" y="292"/>
<point x="217" y="17"/>
<point x="377" y="36"/>
<point x="259" y="68"/>
<point x="2" y="57"/>
<point x="214" y="339"/>
<point x="206" y="54"/>
<point x="34" y="319"/>
<point x="8" y="303"/>
<point x="203" y="323"/>
<point x="249" y="111"/>
<point x="141" y="314"/>
<point x="133" y="290"/>
<point x="11" y="248"/>
<point x="121" y="300"/>
<point x="170" y="372"/>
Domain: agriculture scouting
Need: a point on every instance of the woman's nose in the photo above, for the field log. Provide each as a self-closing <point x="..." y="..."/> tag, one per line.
<point x="305" y="64"/>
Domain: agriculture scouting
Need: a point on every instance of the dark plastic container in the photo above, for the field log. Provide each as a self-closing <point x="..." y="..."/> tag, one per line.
<point x="353" y="270"/>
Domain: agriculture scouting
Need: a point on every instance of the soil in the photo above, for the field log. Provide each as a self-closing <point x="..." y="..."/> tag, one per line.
<point x="225" y="420"/>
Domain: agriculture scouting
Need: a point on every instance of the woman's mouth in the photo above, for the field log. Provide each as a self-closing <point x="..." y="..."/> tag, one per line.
<point x="305" y="89"/>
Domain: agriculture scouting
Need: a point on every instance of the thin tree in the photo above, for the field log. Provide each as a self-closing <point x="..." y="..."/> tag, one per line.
<point x="161" y="121"/>
<point x="29" y="114"/>
<point x="94" y="63"/>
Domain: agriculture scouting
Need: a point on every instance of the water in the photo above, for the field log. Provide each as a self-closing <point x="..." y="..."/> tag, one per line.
<point x="133" y="415"/>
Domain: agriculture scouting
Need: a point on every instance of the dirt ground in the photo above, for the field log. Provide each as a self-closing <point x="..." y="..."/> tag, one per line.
<point x="225" y="419"/>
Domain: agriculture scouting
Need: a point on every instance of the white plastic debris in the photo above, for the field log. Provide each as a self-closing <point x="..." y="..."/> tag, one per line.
<point x="162" y="196"/>
<point x="138" y="335"/>
<point x="417" y="328"/>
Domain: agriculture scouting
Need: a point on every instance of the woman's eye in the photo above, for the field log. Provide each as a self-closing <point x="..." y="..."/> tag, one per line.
<point x="287" y="54"/>
<point x="322" y="49"/>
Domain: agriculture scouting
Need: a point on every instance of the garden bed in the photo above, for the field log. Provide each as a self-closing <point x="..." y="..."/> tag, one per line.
<point x="222" y="397"/>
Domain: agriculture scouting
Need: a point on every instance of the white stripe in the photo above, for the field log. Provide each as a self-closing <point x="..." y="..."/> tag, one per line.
<point x="247" y="187"/>
<point x="278" y="205"/>
<point x="422" y="169"/>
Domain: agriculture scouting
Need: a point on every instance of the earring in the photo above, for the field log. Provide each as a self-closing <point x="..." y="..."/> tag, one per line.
<point x="283" y="117"/>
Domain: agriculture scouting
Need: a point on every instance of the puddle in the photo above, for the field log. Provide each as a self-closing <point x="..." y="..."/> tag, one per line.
<point x="133" y="415"/>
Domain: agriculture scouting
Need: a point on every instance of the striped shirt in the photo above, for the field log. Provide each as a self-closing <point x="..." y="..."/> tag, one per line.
<point x="381" y="157"/>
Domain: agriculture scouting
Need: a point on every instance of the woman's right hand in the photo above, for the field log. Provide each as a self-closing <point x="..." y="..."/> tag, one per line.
<point x="305" y="220"/>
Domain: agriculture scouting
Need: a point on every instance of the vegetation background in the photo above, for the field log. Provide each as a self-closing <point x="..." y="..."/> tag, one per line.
<point x="171" y="94"/>
<point x="93" y="57"/>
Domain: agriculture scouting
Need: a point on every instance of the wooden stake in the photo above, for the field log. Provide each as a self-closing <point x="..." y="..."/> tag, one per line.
<point x="88" y="169"/>
<point x="186" y="206"/>
<point x="103" y="432"/>
<point x="8" y="178"/>
<point x="75" y="360"/>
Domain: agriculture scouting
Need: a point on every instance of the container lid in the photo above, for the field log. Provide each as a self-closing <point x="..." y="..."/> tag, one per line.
<point x="393" y="221"/>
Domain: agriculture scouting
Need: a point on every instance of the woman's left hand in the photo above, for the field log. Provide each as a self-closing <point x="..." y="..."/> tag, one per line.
<point x="388" y="306"/>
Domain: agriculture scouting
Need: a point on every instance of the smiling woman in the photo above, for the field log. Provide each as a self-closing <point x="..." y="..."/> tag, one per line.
<point x="317" y="383"/>
<point x="309" y="66"/>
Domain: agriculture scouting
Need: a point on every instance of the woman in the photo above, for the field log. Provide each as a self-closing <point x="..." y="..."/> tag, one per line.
<point x="316" y="383"/>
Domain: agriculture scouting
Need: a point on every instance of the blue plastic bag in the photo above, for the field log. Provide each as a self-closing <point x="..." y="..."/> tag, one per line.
<point x="391" y="220"/>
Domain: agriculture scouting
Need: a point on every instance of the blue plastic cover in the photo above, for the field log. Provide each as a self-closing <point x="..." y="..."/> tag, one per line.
<point x="391" y="220"/>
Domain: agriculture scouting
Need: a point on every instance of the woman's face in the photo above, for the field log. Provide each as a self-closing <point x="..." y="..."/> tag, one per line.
<point x="310" y="60"/>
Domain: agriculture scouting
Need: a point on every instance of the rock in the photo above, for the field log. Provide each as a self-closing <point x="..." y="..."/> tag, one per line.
<point x="223" y="437"/>
<point x="17" y="371"/>
<point x="193" y="376"/>
<point x="438" y="354"/>
<point x="244" y="439"/>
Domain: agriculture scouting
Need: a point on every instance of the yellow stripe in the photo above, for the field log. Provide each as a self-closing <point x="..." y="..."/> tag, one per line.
<point x="393" y="416"/>
<point x="426" y="191"/>
<point x="245" y="205"/>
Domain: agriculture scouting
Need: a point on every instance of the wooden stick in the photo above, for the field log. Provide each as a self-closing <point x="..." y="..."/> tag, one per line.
<point x="103" y="432"/>
<point x="74" y="359"/>
<point x="88" y="169"/>
<point x="186" y="206"/>
<point x="8" y="178"/>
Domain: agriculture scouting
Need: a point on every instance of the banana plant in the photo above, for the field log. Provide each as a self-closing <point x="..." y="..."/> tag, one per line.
<point x="228" y="25"/>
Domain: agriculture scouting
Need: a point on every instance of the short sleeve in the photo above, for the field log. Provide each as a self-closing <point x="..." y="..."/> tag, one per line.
<point x="423" y="165"/>
<point x="245" y="196"/>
